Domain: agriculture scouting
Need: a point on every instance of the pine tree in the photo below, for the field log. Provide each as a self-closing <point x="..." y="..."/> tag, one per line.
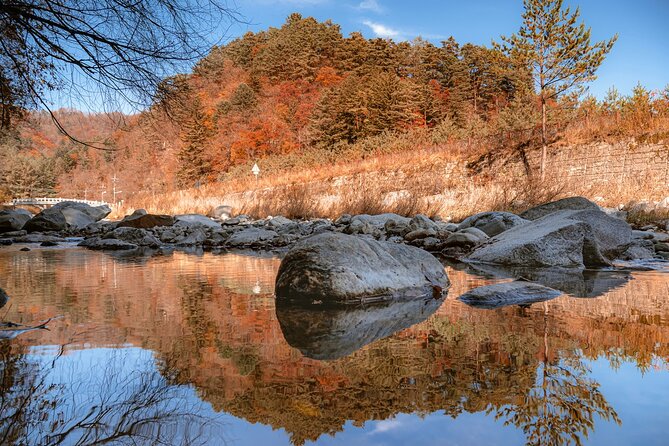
<point x="559" y="52"/>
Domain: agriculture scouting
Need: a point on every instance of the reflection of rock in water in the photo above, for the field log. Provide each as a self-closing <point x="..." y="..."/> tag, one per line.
<point x="573" y="281"/>
<point x="334" y="332"/>
<point x="508" y="293"/>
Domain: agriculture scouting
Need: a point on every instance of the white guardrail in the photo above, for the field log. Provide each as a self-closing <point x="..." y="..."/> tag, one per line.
<point x="44" y="201"/>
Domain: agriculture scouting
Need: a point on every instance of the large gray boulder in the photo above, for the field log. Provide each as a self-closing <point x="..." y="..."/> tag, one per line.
<point x="48" y="220"/>
<point x="335" y="267"/>
<point x="492" y="223"/>
<point x="565" y="238"/>
<point x="571" y="203"/>
<point x="13" y="219"/>
<point x="95" y="213"/>
<point x="509" y="293"/>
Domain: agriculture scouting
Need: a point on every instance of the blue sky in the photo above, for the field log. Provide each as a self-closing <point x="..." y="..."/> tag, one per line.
<point x="640" y="55"/>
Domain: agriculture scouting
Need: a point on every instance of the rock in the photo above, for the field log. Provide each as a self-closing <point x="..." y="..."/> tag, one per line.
<point x="238" y="220"/>
<point x="661" y="247"/>
<point x="377" y="221"/>
<point x="196" y="237"/>
<point x="222" y="212"/>
<point x="168" y="236"/>
<point x="48" y="243"/>
<point x="79" y="215"/>
<point x="462" y="239"/>
<point x="99" y="227"/>
<point x="38" y="238"/>
<point x="613" y="212"/>
<point x="639" y="249"/>
<point x="195" y="220"/>
<point x="492" y="223"/>
<point x="134" y="236"/>
<point x="394" y="227"/>
<point x="330" y="333"/>
<point x="3" y="298"/>
<point x="48" y="220"/>
<point x="5" y="242"/>
<point x="145" y="221"/>
<point x="508" y="293"/>
<point x="335" y="267"/>
<point x="663" y="255"/>
<point x="565" y="238"/>
<point x="13" y="219"/>
<point x="343" y="220"/>
<point x="251" y="236"/>
<point x="644" y="235"/>
<point x="422" y="222"/>
<point x="14" y="234"/>
<point x="419" y="234"/>
<point x="432" y="244"/>
<point x="278" y="221"/>
<point x="26" y="249"/>
<point x="107" y="244"/>
<point x="476" y="233"/>
<point x="576" y="282"/>
<point x="571" y="203"/>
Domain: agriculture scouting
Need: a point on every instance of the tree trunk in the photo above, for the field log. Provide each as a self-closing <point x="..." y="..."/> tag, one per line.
<point x="543" y="138"/>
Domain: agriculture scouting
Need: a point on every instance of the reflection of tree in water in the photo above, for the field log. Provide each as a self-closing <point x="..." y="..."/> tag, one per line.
<point x="49" y="401"/>
<point x="562" y="406"/>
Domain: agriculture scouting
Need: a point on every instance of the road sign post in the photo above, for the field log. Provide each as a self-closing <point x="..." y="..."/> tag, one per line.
<point x="255" y="170"/>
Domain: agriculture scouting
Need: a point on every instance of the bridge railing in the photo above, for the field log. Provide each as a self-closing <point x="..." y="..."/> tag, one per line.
<point x="42" y="201"/>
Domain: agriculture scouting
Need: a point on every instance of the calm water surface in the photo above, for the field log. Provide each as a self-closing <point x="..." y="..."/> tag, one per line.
<point x="190" y="349"/>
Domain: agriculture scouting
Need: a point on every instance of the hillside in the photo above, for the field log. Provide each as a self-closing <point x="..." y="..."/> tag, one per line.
<point x="304" y="98"/>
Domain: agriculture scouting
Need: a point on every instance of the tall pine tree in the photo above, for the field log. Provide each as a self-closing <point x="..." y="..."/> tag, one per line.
<point x="558" y="50"/>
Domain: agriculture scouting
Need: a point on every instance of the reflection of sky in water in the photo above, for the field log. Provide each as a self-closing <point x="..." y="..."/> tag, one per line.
<point x="104" y="377"/>
<point x="213" y="318"/>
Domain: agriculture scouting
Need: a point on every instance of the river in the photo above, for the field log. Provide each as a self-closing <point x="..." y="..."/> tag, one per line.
<point x="188" y="348"/>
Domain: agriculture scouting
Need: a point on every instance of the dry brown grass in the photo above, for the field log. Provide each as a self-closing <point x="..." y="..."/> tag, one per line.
<point x="431" y="181"/>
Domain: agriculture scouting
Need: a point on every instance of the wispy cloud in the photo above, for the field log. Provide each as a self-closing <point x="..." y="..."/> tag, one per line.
<point x="381" y="30"/>
<point x="386" y="425"/>
<point x="370" y="5"/>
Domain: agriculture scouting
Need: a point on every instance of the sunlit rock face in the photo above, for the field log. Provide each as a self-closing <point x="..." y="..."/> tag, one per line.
<point x="322" y="332"/>
<point x="334" y="267"/>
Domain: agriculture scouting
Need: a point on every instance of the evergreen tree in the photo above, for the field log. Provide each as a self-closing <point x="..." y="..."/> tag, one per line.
<point x="558" y="50"/>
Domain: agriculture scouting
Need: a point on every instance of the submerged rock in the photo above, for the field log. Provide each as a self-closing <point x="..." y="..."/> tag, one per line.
<point x="508" y="293"/>
<point x="576" y="282"/>
<point x="328" y="333"/>
<point x="564" y="238"/>
<point x="335" y="267"/>
<point x="107" y="244"/>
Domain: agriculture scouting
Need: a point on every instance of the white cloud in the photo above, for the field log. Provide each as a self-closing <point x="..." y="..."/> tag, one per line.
<point x="386" y="425"/>
<point x="381" y="30"/>
<point x="370" y="5"/>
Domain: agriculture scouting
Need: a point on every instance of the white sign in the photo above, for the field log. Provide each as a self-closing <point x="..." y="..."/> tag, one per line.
<point x="255" y="169"/>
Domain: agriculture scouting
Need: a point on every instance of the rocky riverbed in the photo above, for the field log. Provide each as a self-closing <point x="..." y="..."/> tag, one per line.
<point x="570" y="235"/>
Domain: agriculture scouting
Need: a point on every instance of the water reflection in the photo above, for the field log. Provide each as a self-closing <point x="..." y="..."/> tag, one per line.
<point x="331" y="332"/>
<point x="210" y="322"/>
<point x="102" y="396"/>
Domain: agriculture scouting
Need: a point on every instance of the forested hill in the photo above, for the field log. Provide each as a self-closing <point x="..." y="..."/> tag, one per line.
<point x="301" y="89"/>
